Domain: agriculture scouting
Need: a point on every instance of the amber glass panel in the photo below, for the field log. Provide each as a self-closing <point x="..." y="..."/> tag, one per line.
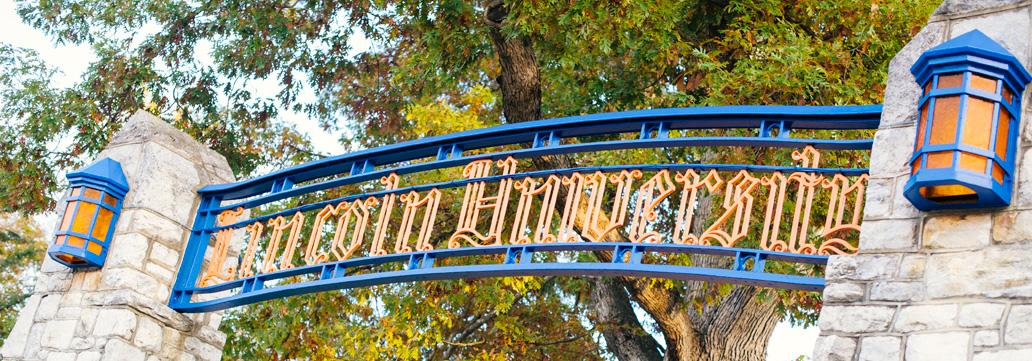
<point x="109" y="200"/>
<point x="921" y="127"/>
<point x="76" y="241"/>
<point x="91" y="193"/>
<point x="939" y="160"/>
<point x="76" y="191"/>
<point x="927" y="87"/>
<point x="974" y="163"/>
<point x="982" y="83"/>
<point x="1002" y="131"/>
<point x="944" y="120"/>
<point x="978" y="123"/>
<point x="100" y="230"/>
<point x="951" y="81"/>
<point x="66" y="220"/>
<point x="60" y="239"/>
<point x="997" y="173"/>
<point x="1007" y="95"/>
<point x="949" y="194"/>
<point x="84" y="217"/>
<point x="915" y="165"/>
<point x="94" y="248"/>
<point x="70" y="258"/>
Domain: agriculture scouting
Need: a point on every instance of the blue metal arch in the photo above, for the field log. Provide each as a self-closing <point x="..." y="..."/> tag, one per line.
<point x="544" y="137"/>
<point x="518" y="261"/>
<point x="721" y="117"/>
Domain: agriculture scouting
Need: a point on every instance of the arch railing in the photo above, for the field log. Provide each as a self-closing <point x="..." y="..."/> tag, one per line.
<point x="614" y="194"/>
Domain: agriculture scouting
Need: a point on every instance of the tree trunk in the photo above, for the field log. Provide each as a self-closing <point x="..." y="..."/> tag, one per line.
<point x="736" y="327"/>
<point x="520" y="80"/>
<point x="624" y="335"/>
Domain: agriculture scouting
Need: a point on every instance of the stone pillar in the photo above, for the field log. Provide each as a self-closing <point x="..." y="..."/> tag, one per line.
<point x="944" y="285"/>
<point x="120" y="311"/>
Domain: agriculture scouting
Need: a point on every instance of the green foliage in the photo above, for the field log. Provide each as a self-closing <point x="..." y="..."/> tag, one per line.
<point x="21" y="250"/>
<point x="431" y="70"/>
<point x="47" y="131"/>
<point x="473" y="110"/>
<point x="503" y="317"/>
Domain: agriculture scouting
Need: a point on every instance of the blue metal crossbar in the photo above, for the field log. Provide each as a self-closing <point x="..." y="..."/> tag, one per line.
<point x="772" y="127"/>
<point x="518" y="261"/>
<point x="360" y="166"/>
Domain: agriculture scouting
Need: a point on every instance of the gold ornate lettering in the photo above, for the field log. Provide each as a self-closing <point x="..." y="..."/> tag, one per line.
<point x="246" y="265"/>
<point x="215" y="270"/>
<point x="650" y="194"/>
<point x="413" y="202"/>
<point x="595" y="187"/>
<point x="834" y="227"/>
<point x="733" y="224"/>
<point x="597" y="206"/>
<point x="690" y="186"/>
<point x="529" y="190"/>
<point x="312" y="253"/>
<point x="359" y="210"/>
<point x="474" y="201"/>
<point x="278" y="225"/>
<point x="383" y="220"/>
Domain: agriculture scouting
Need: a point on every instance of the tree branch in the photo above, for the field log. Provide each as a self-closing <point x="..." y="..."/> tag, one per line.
<point x="625" y="337"/>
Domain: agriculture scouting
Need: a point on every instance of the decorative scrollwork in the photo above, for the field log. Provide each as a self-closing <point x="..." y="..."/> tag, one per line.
<point x="215" y="270"/>
<point x="413" y="203"/>
<point x="531" y="189"/>
<point x="593" y="207"/>
<point x="474" y="202"/>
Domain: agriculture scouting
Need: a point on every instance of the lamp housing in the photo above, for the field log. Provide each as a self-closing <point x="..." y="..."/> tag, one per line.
<point x="89" y="215"/>
<point x="967" y="133"/>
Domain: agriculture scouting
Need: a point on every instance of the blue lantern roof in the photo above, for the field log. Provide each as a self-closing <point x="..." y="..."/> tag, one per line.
<point x="974" y="49"/>
<point x="105" y="173"/>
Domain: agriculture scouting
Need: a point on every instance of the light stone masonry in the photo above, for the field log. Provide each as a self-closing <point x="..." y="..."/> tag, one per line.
<point x="835" y="348"/>
<point x="987" y="338"/>
<point x="926" y="317"/>
<point x="1024" y="354"/>
<point x="120" y="312"/>
<point x="982" y="315"/>
<point x="948" y="346"/>
<point x="1019" y="325"/>
<point x="897" y="291"/>
<point x="844" y="292"/>
<point x="956" y="231"/>
<point x="947" y="285"/>
<point x="880" y="348"/>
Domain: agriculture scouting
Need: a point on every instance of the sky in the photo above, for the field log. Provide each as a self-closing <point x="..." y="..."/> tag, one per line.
<point x="787" y="342"/>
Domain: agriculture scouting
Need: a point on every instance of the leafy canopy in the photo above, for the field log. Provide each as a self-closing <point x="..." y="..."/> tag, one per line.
<point x="431" y="69"/>
<point x="21" y="250"/>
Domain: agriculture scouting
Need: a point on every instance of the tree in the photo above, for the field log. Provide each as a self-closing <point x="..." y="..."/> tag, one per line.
<point x="539" y="59"/>
<point x="21" y="250"/>
<point x="47" y="131"/>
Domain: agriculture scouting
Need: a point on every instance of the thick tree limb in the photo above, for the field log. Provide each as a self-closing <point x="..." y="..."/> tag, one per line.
<point x="520" y="79"/>
<point x="625" y="337"/>
<point x="736" y="328"/>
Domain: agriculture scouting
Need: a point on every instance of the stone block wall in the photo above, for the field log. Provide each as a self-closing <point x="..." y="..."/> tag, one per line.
<point x="120" y="312"/>
<point x="943" y="285"/>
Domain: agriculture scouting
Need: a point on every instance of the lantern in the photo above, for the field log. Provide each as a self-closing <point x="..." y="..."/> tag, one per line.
<point x="90" y="212"/>
<point x="968" y="127"/>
